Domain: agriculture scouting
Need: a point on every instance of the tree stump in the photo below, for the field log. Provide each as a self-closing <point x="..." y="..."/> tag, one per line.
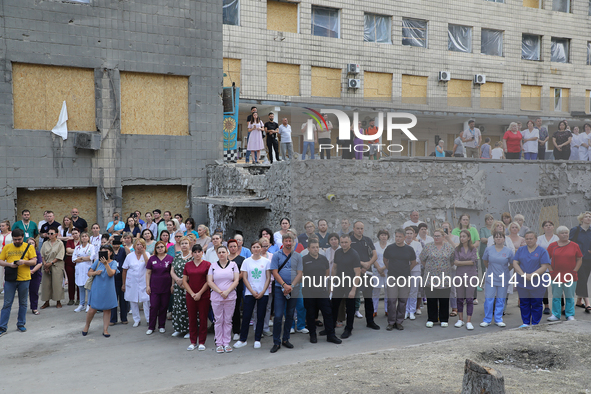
<point x="479" y="379"/>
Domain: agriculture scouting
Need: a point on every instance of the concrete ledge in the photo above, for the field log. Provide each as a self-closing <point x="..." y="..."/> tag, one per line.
<point x="237" y="202"/>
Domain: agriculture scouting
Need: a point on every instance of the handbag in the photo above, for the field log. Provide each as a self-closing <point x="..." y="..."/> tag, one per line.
<point x="88" y="284"/>
<point x="11" y="274"/>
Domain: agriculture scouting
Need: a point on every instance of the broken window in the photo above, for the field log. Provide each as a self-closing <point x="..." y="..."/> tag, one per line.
<point x="561" y="5"/>
<point x="460" y="38"/>
<point x="325" y="22"/>
<point x="530" y="47"/>
<point x="377" y="29"/>
<point x="231" y="12"/>
<point x="414" y="32"/>
<point x="491" y="42"/>
<point x="559" y="50"/>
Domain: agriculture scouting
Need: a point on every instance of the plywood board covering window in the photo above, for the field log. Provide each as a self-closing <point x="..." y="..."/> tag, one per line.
<point x="39" y="91"/>
<point x="459" y="93"/>
<point x="414" y="89"/>
<point x="491" y="95"/>
<point x="531" y="99"/>
<point x="232" y="72"/>
<point x="282" y="16"/>
<point x="326" y="82"/>
<point x="60" y="201"/>
<point x="377" y="85"/>
<point x="171" y="198"/>
<point x="154" y="104"/>
<point x="283" y="79"/>
<point x="531" y="3"/>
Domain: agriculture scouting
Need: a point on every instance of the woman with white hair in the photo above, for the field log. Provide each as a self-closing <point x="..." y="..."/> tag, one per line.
<point x="513" y="142"/>
<point x="565" y="261"/>
<point x="518" y="240"/>
<point x="581" y="235"/>
<point x="520" y="219"/>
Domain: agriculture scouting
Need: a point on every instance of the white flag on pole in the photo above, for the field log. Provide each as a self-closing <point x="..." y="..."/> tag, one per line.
<point x="61" y="128"/>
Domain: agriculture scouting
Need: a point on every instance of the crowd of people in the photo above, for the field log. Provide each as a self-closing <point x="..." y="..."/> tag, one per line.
<point x="175" y="270"/>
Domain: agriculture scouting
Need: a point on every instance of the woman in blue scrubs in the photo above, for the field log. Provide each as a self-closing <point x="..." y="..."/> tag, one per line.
<point x="498" y="260"/>
<point x="531" y="262"/>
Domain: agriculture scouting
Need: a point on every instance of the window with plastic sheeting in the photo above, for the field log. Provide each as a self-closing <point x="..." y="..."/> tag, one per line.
<point x="325" y="22"/>
<point x="561" y="5"/>
<point x="589" y="8"/>
<point x="588" y="53"/>
<point x="496" y="1"/>
<point x="414" y="32"/>
<point x="460" y="38"/>
<point x="377" y="29"/>
<point x="530" y="47"/>
<point x="559" y="49"/>
<point x="231" y="12"/>
<point x="491" y="42"/>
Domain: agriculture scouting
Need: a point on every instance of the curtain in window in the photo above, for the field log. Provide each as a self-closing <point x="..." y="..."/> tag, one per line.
<point x="491" y="42"/>
<point x="231" y="12"/>
<point x="377" y="28"/>
<point x="561" y="5"/>
<point x="530" y="47"/>
<point x="559" y="50"/>
<point x="414" y="32"/>
<point x="325" y="22"/>
<point x="460" y="38"/>
<point x="589" y="53"/>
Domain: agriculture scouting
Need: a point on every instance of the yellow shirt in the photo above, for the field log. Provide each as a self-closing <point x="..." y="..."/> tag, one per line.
<point x="11" y="253"/>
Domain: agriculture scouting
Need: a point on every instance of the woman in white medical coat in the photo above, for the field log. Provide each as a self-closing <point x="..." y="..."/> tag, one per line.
<point x="134" y="281"/>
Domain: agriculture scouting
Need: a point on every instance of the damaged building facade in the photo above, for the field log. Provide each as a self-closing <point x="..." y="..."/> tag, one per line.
<point x="141" y="81"/>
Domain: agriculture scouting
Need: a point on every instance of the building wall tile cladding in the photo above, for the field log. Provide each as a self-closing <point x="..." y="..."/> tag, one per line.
<point x="173" y="37"/>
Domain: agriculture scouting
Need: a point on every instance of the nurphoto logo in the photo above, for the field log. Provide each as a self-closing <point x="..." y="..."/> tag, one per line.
<point x="345" y="126"/>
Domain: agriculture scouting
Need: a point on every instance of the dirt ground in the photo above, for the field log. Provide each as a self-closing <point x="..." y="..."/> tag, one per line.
<point x="550" y="358"/>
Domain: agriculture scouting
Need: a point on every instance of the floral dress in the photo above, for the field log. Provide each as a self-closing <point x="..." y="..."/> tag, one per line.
<point x="180" y="316"/>
<point x="437" y="262"/>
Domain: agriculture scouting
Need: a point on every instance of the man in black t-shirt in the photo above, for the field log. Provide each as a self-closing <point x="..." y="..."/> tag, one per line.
<point x="400" y="259"/>
<point x="271" y="130"/>
<point x="369" y="257"/>
<point x="78" y="222"/>
<point x="346" y="266"/>
<point x="315" y="292"/>
<point x="51" y="223"/>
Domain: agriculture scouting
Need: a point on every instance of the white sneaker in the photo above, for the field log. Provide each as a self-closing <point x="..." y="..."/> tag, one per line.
<point x="87" y="308"/>
<point x="429" y="324"/>
<point x="201" y="347"/>
<point x="80" y="308"/>
<point x="444" y="324"/>
<point x="411" y="316"/>
<point x="501" y="324"/>
<point x="303" y="331"/>
<point x="484" y="324"/>
<point x="149" y="332"/>
<point x="358" y="315"/>
<point x="459" y="324"/>
<point x="191" y="347"/>
<point x="267" y="333"/>
<point x="570" y="318"/>
<point x="271" y="323"/>
<point x="475" y="302"/>
<point x="406" y="316"/>
<point x="176" y="334"/>
<point x="418" y="312"/>
<point x="240" y="344"/>
<point x="187" y="336"/>
<point x="257" y="345"/>
<point x="162" y="330"/>
<point x="553" y="318"/>
<point x="136" y="324"/>
<point x="292" y="331"/>
<point x="236" y="337"/>
<point x="469" y="326"/>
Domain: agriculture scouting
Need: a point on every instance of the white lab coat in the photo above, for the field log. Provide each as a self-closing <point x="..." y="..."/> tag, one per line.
<point x="82" y="268"/>
<point x="135" y="283"/>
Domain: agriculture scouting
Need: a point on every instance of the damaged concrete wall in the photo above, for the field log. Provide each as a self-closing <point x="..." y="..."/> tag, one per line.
<point x="383" y="193"/>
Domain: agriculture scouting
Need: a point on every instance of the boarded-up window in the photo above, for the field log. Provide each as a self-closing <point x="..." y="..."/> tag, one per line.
<point x="415" y="148"/>
<point x="377" y="85"/>
<point x="282" y="16"/>
<point x="154" y="104"/>
<point x="414" y="89"/>
<point x="39" y="91"/>
<point x="60" y="201"/>
<point x="171" y="198"/>
<point x="531" y="99"/>
<point x="491" y="95"/>
<point x="459" y="93"/>
<point x="532" y="3"/>
<point x="231" y="72"/>
<point x="326" y="82"/>
<point x="283" y="79"/>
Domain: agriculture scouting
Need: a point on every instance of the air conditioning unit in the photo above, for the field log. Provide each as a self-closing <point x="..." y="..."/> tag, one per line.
<point x="479" y="79"/>
<point x="354" y="83"/>
<point x="353" y="68"/>
<point x="90" y="141"/>
<point x="444" y="76"/>
<point x="481" y="128"/>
